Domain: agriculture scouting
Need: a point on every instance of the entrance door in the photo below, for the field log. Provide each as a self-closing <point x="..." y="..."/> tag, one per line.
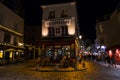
<point x="58" y="52"/>
<point x="57" y="56"/>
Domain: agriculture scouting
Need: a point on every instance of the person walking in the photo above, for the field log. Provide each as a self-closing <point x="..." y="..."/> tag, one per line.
<point x="113" y="62"/>
<point x="108" y="61"/>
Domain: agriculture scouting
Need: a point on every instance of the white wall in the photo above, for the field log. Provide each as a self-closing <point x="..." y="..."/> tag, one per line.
<point x="72" y="15"/>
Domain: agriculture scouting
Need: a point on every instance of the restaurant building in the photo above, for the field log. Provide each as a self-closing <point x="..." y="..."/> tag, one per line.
<point x="60" y="30"/>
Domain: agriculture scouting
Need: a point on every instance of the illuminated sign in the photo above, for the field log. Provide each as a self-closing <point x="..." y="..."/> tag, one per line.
<point x="60" y="22"/>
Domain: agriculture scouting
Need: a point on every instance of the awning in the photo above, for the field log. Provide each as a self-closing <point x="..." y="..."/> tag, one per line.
<point x="20" y="50"/>
<point x="10" y="50"/>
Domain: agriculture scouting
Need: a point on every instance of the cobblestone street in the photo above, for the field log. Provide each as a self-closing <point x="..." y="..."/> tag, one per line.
<point x="95" y="71"/>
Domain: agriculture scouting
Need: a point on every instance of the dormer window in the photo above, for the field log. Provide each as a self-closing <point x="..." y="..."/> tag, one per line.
<point x="51" y="14"/>
<point x="64" y="13"/>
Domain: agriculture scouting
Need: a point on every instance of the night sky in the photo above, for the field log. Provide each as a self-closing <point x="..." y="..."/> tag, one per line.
<point x="88" y="12"/>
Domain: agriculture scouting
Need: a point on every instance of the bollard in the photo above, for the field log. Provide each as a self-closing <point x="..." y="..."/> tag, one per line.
<point x="76" y="65"/>
<point x="83" y="64"/>
<point x="56" y="66"/>
<point x="37" y="67"/>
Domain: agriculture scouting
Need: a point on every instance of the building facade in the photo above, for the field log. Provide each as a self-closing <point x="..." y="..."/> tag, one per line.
<point x="107" y="32"/>
<point x="11" y="33"/>
<point x="59" y="30"/>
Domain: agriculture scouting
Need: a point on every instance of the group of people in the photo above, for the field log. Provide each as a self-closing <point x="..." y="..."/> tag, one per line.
<point x="64" y="61"/>
<point x="111" y="61"/>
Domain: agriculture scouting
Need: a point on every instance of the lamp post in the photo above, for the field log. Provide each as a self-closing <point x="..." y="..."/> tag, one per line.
<point x="80" y="41"/>
<point x="83" y="62"/>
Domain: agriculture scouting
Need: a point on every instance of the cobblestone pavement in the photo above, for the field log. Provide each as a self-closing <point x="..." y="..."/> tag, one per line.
<point x="95" y="71"/>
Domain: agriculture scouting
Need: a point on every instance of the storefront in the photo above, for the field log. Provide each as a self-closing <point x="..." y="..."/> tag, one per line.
<point x="10" y="54"/>
<point x="114" y="51"/>
<point x="58" y="47"/>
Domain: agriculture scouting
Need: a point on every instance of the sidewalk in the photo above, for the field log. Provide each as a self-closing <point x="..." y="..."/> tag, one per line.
<point x="106" y="65"/>
<point x="58" y="69"/>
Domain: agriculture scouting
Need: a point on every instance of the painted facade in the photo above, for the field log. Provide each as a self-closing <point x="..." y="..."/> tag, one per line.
<point x="11" y="33"/>
<point x="59" y="30"/>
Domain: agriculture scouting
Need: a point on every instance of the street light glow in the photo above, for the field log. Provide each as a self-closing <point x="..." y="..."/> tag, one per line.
<point x="44" y="31"/>
<point x="71" y="30"/>
<point x="80" y="37"/>
<point x="20" y="44"/>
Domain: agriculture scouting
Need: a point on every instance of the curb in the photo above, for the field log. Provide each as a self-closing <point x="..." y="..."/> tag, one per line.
<point x="59" y="70"/>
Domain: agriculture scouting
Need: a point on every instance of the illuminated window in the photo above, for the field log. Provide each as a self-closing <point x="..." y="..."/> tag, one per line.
<point x="1" y="53"/>
<point x="11" y="55"/>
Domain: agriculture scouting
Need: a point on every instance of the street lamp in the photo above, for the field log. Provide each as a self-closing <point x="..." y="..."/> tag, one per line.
<point x="80" y="37"/>
<point x="81" y="42"/>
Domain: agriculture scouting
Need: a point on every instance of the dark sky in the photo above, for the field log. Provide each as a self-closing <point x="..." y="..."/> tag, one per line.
<point x="88" y="12"/>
